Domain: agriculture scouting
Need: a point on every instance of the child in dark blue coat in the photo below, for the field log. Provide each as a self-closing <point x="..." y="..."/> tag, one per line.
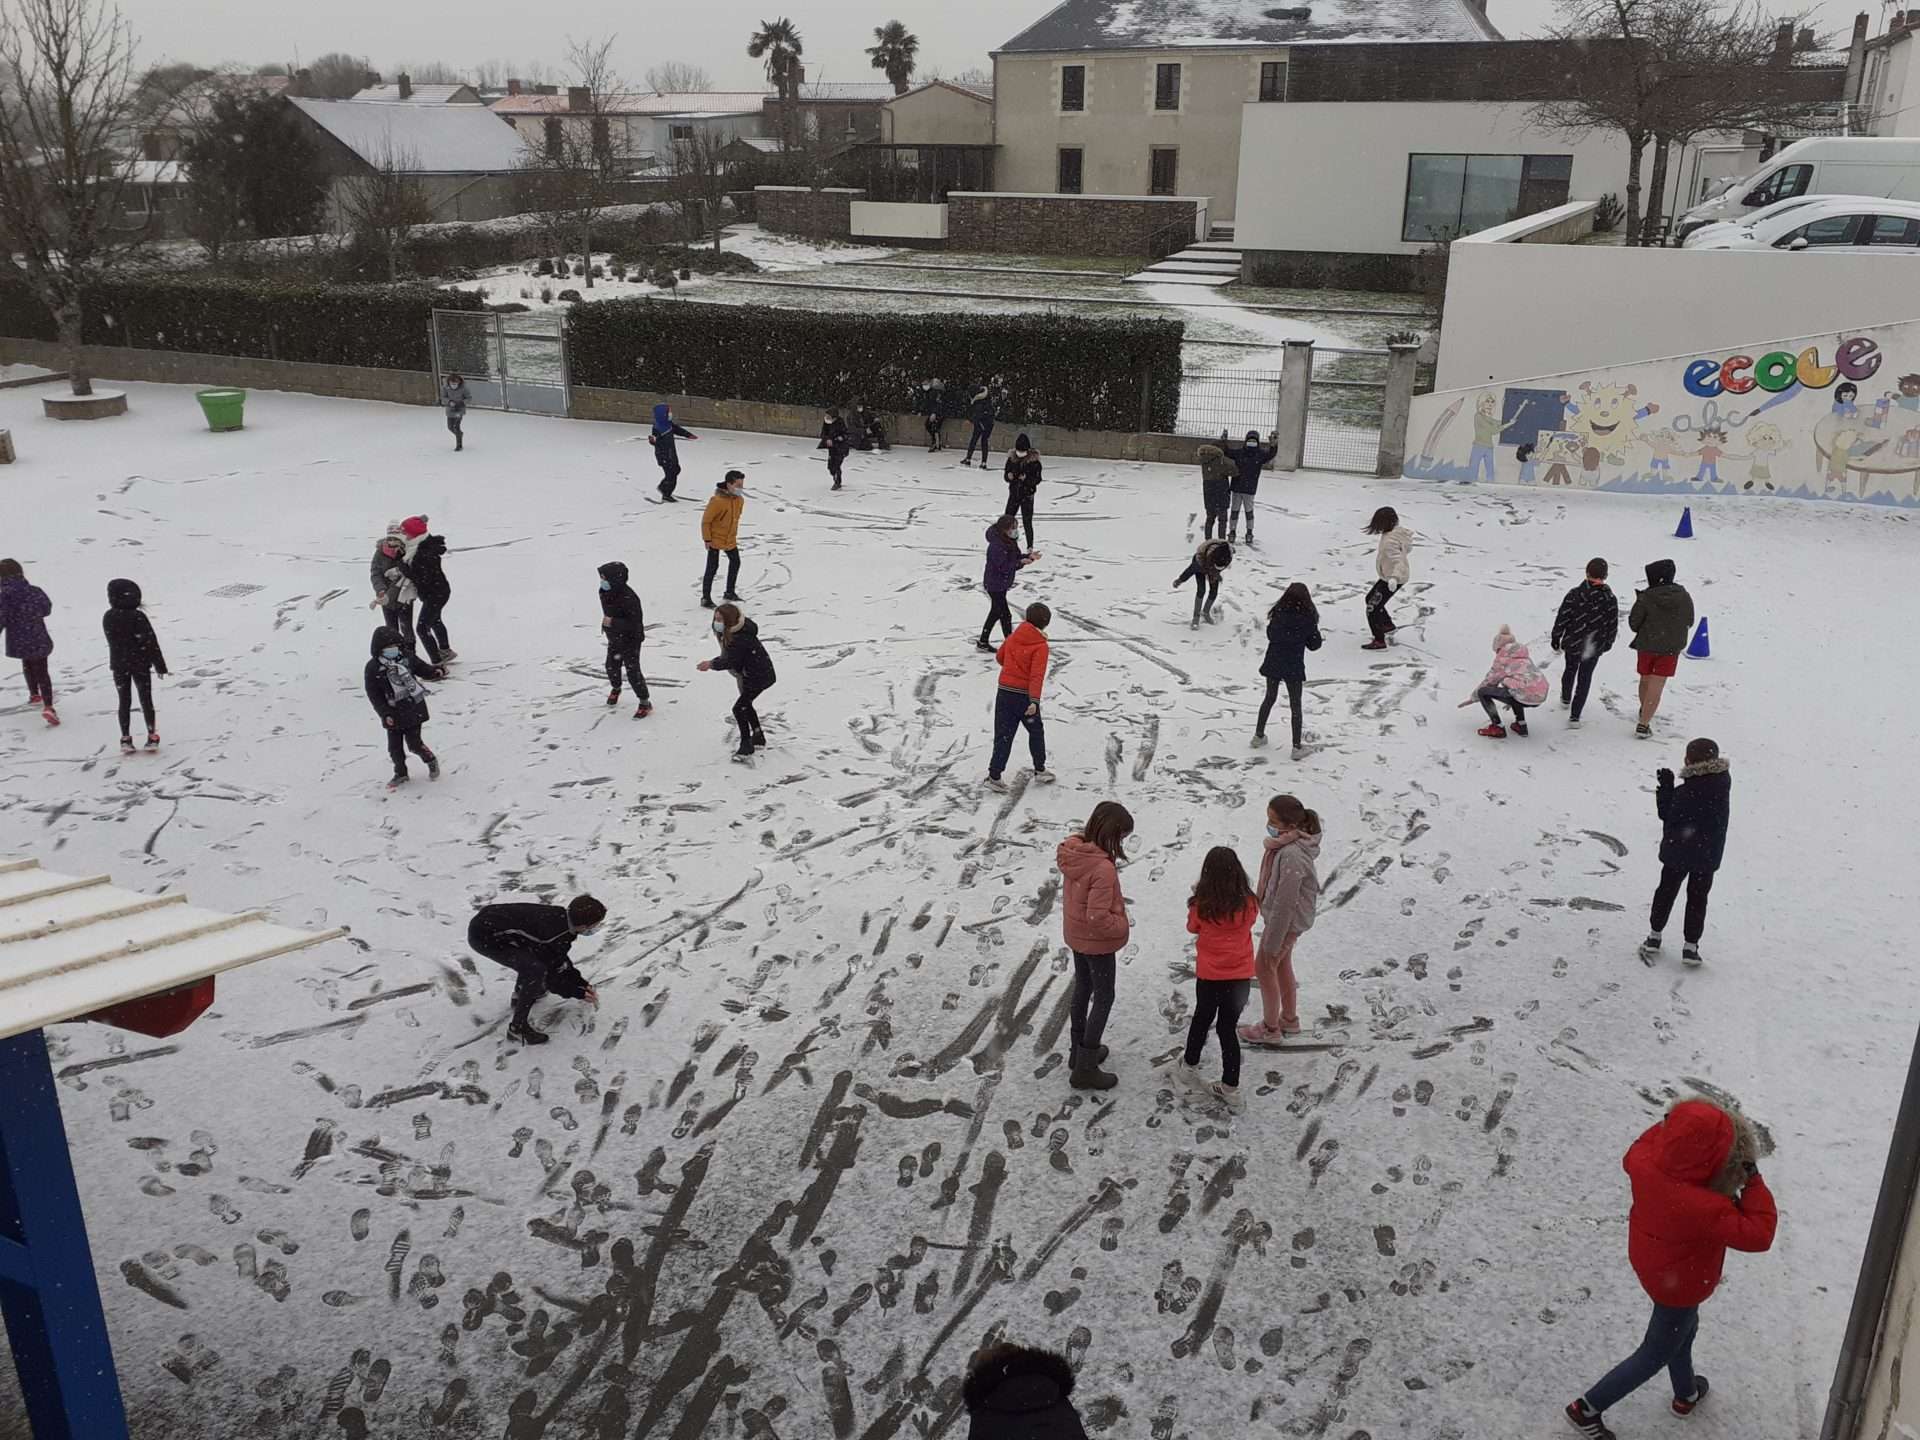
<point x="1004" y="560"/>
<point x="23" y="615"/>
<point x="394" y="690"/>
<point x="665" y="433"/>
<point x="1293" y="628"/>
<point x="1693" y="840"/>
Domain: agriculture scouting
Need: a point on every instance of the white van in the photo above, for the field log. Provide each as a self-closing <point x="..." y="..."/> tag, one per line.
<point x="1884" y="166"/>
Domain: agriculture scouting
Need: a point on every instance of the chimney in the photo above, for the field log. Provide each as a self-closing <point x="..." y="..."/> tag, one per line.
<point x="1806" y="40"/>
<point x="406" y="86"/>
<point x="1783" y="43"/>
<point x="1856" y="60"/>
<point x="513" y="87"/>
<point x="579" y="99"/>
<point x="300" y="83"/>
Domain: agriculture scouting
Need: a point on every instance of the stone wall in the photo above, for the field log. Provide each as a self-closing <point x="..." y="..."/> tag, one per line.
<point x="172" y="367"/>
<point x="1118" y="225"/>
<point x="816" y="214"/>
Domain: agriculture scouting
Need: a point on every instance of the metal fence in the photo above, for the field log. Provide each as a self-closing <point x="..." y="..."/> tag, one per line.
<point x="512" y="361"/>
<point x="1345" y="406"/>
<point x="1344" y="409"/>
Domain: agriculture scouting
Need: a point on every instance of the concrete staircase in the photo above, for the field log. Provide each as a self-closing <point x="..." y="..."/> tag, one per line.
<point x="1207" y="262"/>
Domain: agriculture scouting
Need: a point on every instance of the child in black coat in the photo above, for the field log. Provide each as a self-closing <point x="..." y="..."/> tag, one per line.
<point x="394" y="690"/>
<point x="625" y="627"/>
<point x="1693" y="840"/>
<point x="1204" y="569"/>
<point x="742" y="653"/>
<point x="1585" y="627"/>
<point x="835" y="441"/>
<point x="1293" y="628"/>
<point x="133" y="655"/>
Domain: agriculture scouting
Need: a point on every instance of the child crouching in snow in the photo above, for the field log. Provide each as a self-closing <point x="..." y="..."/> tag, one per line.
<point x="1515" y="681"/>
<point x="1289" y="892"/>
<point x="1221" y="913"/>
<point x="1204" y="569"/>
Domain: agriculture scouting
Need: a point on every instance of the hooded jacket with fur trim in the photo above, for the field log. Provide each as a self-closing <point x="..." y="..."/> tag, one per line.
<point x="1684" y="1218"/>
<point x="1014" y="1393"/>
<point x="1093" y="912"/>
<point x="1694" y="815"/>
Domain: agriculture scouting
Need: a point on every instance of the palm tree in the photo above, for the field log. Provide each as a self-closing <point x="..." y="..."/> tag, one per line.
<point x="779" y="42"/>
<point x="894" y="53"/>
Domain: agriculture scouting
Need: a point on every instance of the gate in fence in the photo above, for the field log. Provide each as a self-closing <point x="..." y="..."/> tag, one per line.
<point x="510" y="362"/>
<point x="1340" y="410"/>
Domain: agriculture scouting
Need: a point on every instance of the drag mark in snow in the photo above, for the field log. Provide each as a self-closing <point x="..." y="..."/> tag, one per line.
<point x="1106" y="1198"/>
<point x="1242" y="1231"/>
<point x="136" y="1275"/>
<point x="704" y="918"/>
<point x="1126" y="642"/>
<point x="1618" y="847"/>
<point x="67" y="1072"/>
<point x="349" y="1022"/>
<point x="986" y="1194"/>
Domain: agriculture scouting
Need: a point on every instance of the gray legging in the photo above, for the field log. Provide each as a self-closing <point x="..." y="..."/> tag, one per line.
<point x="1487" y="694"/>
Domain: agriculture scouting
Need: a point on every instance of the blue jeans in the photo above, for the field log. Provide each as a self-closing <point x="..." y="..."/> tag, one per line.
<point x="1668" y="1345"/>
<point x="1709" y="474"/>
<point x="1009" y="714"/>
<point x="1477" y="457"/>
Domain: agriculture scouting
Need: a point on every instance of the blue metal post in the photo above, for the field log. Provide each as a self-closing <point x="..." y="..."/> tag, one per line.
<point x="48" y="1294"/>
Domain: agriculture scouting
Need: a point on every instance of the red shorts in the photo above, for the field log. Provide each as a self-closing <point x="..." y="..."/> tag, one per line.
<point x="1651" y="664"/>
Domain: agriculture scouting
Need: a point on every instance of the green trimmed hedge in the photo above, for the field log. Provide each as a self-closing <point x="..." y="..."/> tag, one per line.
<point x="382" y="327"/>
<point x="1084" y="374"/>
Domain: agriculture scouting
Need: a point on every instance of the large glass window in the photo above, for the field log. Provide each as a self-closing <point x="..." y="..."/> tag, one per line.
<point x="1273" y="79"/>
<point x="1450" y="195"/>
<point x="1166" y="87"/>
<point x="1073" y="87"/>
<point x="1070" y="171"/>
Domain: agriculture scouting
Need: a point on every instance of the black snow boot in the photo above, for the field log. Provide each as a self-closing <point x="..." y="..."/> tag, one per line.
<point x="522" y="1029"/>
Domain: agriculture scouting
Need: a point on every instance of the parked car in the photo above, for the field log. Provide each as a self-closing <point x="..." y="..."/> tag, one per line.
<point x="1848" y="224"/>
<point x="1706" y="234"/>
<point x="1886" y="166"/>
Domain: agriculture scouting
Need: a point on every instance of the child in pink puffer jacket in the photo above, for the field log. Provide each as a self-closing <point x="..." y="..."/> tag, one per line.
<point x="1515" y="681"/>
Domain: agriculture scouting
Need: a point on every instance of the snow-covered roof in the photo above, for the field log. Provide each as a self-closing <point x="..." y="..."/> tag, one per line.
<point x="970" y="90"/>
<point x="156" y="172"/>
<point x="842" y="90"/>
<point x="434" y="94"/>
<point x="765" y="144"/>
<point x="72" y="944"/>
<point x="693" y="102"/>
<point x="426" y="139"/>
<point x="1177" y="24"/>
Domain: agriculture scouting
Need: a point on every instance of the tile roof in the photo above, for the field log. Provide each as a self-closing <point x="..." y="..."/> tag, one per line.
<point x="432" y="139"/>
<point x="1179" y="24"/>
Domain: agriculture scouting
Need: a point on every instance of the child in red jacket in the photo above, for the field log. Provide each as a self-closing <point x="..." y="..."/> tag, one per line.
<point x="1221" y="913"/>
<point x="1696" y="1194"/>
<point x="1023" y="673"/>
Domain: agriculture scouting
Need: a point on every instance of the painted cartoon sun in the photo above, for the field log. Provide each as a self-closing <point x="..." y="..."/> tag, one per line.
<point x="1606" y="418"/>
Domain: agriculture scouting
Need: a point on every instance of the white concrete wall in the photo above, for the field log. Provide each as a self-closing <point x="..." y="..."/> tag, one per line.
<point x="1333" y="176"/>
<point x="1891" y="88"/>
<point x="1519" y="310"/>
<point x="1827" y="415"/>
<point x="937" y="115"/>
<point x="1120" y="126"/>
<point x="1891" y="1407"/>
<point x="900" y="221"/>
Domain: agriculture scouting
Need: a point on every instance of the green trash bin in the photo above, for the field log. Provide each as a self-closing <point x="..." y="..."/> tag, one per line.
<point x="222" y="408"/>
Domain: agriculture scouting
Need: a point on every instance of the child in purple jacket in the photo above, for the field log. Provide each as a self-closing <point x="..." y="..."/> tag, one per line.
<point x="23" y="615"/>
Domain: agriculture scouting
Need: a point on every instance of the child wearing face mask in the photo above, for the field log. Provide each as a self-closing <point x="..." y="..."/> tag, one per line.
<point x="742" y="653"/>
<point x="394" y="690"/>
<point x="720" y="529"/>
<point x="533" y="941"/>
<point x="1289" y="893"/>
<point x="624" y="626"/>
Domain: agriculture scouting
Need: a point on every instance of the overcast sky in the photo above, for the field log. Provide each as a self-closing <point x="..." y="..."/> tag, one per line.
<point x="713" y="33"/>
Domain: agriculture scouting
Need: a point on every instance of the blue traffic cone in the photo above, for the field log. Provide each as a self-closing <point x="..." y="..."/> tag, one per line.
<point x="1699" y="649"/>
<point x="1685" y="532"/>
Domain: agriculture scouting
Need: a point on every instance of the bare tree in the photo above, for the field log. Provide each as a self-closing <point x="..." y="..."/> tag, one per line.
<point x="68" y="99"/>
<point x="384" y="206"/>
<point x="700" y="181"/>
<point x="431" y="72"/>
<point x="577" y="167"/>
<point x="1662" y="72"/>
<point x="677" y="77"/>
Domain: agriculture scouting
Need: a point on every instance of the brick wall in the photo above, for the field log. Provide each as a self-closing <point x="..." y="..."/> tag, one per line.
<point x="172" y="367"/>
<point x="1060" y="224"/>
<point x="817" y="214"/>
<point x="1328" y="270"/>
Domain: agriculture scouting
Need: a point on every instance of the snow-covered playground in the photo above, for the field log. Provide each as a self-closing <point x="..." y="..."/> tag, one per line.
<point x="817" y="1140"/>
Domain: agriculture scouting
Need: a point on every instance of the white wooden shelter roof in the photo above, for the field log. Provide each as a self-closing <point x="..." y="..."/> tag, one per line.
<point x="71" y="944"/>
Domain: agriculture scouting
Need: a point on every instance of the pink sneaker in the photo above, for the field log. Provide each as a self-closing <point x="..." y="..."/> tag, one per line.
<point x="1258" y="1034"/>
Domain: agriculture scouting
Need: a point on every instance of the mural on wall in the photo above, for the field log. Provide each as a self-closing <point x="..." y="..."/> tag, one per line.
<point x="1826" y="418"/>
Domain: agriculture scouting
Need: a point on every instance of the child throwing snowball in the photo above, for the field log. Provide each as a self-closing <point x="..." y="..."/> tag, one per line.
<point x="1221" y="913"/>
<point x="1289" y="893"/>
<point x="1212" y="557"/>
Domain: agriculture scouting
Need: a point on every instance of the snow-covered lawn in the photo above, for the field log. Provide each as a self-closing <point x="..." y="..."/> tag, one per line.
<point x="817" y="1141"/>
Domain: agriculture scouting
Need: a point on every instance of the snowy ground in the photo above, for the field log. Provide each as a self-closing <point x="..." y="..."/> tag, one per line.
<point x="817" y="1141"/>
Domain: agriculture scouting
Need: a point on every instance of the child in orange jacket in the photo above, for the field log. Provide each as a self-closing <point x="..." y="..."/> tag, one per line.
<point x="1023" y="671"/>
<point x="1221" y="913"/>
